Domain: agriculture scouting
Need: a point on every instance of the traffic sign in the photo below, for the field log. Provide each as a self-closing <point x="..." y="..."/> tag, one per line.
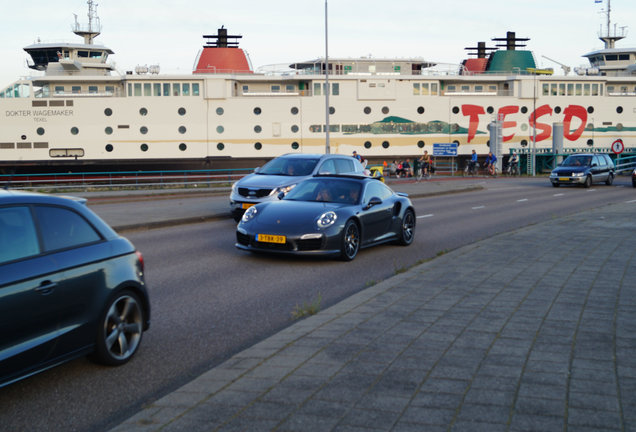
<point x="618" y="146"/>
<point x="444" y="149"/>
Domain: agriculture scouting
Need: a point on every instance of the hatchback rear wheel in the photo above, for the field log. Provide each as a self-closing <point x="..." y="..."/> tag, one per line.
<point x="120" y="329"/>
<point x="610" y="179"/>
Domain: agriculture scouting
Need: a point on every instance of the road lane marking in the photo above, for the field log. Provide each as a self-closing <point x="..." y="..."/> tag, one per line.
<point x="522" y="200"/>
<point x="479" y="207"/>
<point x="632" y="201"/>
<point x="559" y="194"/>
<point x="425" y="216"/>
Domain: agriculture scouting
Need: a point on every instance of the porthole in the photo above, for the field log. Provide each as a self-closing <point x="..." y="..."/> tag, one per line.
<point x="183" y="147"/>
<point x="590" y="109"/>
<point x="219" y="111"/>
<point x="144" y="147"/>
<point x="524" y="110"/>
<point x="619" y="126"/>
<point x="455" y="110"/>
<point x="257" y="111"/>
<point x="385" y="144"/>
<point x="294" y="128"/>
<point x="143" y="130"/>
<point x="488" y="143"/>
<point x="557" y="110"/>
<point x="295" y="145"/>
<point x="143" y="111"/>
<point x="332" y="110"/>
<point x="258" y="129"/>
<point x="421" y="144"/>
<point x="420" y="110"/>
<point x="23" y="137"/>
<point x="367" y="144"/>
<point x="590" y="142"/>
<point x="220" y="146"/>
<point x="220" y="129"/>
<point x="490" y="110"/>
<point x="40" y="131"/>
<point x="294" y="110"/>
<point x="456" y="143"/>
<point x="108" y="130"/>
<point x="182" y="129"/>
<point x="524" y="127"/>
<point x="619" y="109"/>
<point x="367" y="110"/>
<point x="258" y="146"/>
<point x="109" y="148"/>
<point x="108" y="112"/>
<point x="524" y="143"/>
<point x="590" y="126"/>
<point x="181" y="111"/>
<point x="385" y="110"/>
<point x="74" y="130"/>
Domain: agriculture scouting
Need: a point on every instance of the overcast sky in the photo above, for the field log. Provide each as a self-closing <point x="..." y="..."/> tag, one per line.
<point x="168" y="33"/>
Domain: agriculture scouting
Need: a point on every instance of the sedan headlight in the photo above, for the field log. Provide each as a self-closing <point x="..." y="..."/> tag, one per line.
<point x="578" y="174"/>
<point x="249" y="214"/>
<point x="326" y="219"/>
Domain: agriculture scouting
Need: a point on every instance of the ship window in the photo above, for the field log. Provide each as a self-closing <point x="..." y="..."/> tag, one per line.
<point x="562" y="89"/>
<point x="451" y="88"/>
<point x="586" y="89"/>
<point x="108" y="112"/>
<point x="246" y="89"/>
<point x="294" y="110"/>
<point x="416" y="89"/>
<point x="182" y="129"/>
<point x="367" y="144"/>
<point x="40" y="131"/>
<point x="186" y="89"/>
<point x="59" y="89"/>
<point x="275" y="89"/>
<point x="219" y="111"/>
<point x="295" y="145"/>
<point x="420" y="110"/>
<point x="315" y="128"/>
<point x="465" y="88"/>
<point x="289" y="88"/>
<point x="220" y="129"/>
<point x="76" y="89"/>
<point x="144" y="147"/>
<point x="181" y="111"/>
<point x="108" y="130"/>
<point x="137" y="89"/>
<point x="294" y="128"/>
<point x="623" y="56"/>
<point x="166" y="89"/>
<point x="546" y="89"/>
<point x="109" y="90"/>
<point x="595" y="91"/>
<point x="258" y="146"/>
<point x="421" y="144"/>
<point x="220" y="146"/>
<point x="96" y="54"/>
<point x="433" y="88"/>
<point x="570" y="89"/>
<point x="156" y="89"/>
<point x="579" y="90"/>
<point x="317" y="91"/>
<point x="385" y="144"/>
<point x="92" y="89"/>
<point x="385" y="110"/>
<point x="195" y="89"/>
<point x="425" y="89"/>
<point x="147" y="89"/>
<point x="479" y="88"/>
<point x="143" y="111"/>
<point x="258" y="129"/>
<point x="611" y="57"/>
<point x="109" y="148"/>
<point x="176" y="89"/>
<point x="335" y="89"/>
<point x="367" y="110"/>
<point x="183" y="147"/>
<point x="334" y="128"/>
<point x="81" y="53"/>
<point x="74" y="130"/>
<point x="257" y="110"/>
<point x="143" y="130"/>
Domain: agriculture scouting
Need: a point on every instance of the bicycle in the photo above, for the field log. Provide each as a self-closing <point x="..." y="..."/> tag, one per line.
<point x="470" y="169"/>
<point x="491" y="169"/>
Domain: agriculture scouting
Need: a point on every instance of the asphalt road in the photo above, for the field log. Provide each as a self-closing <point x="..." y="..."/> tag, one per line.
<point x="211" y="300"/>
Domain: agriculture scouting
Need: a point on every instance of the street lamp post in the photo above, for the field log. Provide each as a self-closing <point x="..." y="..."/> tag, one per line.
<point x="327" y="147"/>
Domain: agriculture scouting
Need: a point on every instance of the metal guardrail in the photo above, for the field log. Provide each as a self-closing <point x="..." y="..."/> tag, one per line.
<point x="123" y="179"/>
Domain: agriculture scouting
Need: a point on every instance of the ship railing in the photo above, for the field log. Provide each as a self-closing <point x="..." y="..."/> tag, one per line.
<point x="124" y="180"/>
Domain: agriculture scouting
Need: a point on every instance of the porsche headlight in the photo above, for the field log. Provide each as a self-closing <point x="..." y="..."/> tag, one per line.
<point x="327" y="219"/>
<point x="249" y="214"/>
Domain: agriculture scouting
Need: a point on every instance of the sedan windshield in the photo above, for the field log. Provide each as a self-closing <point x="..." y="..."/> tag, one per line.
<point x="289" y="167"/>
<point x="577" y="161"/>
<point x="326" y="190"/>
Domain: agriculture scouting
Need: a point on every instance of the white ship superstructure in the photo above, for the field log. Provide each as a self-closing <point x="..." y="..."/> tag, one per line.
<point x="82" y="112"/>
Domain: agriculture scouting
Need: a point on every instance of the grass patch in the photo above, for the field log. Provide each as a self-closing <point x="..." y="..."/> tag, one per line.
<point x="307" y="308"/>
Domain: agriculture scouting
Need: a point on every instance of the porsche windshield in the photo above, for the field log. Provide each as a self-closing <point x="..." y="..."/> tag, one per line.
<point x="289" y="167"/>
<point x="326" y="190"/>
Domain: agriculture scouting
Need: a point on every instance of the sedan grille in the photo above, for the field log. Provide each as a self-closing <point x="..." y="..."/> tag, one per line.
<point x="253" y="193"/>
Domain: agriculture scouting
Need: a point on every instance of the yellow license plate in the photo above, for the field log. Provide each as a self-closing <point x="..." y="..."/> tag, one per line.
<point x="268" y="238"/>
<point x="245" y="206"/>
<point x="564" y="179"/>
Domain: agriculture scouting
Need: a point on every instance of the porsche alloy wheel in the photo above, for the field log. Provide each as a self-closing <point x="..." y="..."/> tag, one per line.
<point x="350" y="241"/>
<point x="407" y="233"/>
<point x="120" y="329"/>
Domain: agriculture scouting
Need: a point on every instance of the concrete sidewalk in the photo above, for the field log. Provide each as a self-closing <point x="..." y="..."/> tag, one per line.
<point x="543" y="341"/>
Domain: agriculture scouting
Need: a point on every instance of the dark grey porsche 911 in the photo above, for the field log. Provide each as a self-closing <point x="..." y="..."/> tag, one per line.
<point x="329" y="215"/>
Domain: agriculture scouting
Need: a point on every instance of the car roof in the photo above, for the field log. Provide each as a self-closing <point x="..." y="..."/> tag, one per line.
<point x="311" y="155"/>
<point x="14" y="196"/>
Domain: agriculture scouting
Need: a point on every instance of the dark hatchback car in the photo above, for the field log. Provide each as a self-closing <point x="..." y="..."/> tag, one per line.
<point x="69" y="286"/>
<point x="329" y="215"/>
<point x="584" y="169"/>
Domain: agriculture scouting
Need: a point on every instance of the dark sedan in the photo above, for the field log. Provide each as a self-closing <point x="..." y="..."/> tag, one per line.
<point x="69" y="286"/>
<point x="329" y="215"/>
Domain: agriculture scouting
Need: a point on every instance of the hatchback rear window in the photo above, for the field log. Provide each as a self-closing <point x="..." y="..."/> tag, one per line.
<point x="62" y="228"/>
<point x="18" y="238"/>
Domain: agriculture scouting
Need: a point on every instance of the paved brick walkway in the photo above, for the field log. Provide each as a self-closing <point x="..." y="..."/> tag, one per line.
<point x="532" y="330"/>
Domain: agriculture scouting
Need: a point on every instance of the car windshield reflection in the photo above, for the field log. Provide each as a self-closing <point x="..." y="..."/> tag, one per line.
<point x="289" y="167"/>
<point x="577" y="161"/>
<point x="326" y="190"/>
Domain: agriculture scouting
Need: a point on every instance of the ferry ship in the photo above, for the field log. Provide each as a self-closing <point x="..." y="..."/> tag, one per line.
<point x="80" y="112"/>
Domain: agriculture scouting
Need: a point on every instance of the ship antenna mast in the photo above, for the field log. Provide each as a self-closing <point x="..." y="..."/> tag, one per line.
<point x="610" y="38"/>
<point x="94" y="26"/>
